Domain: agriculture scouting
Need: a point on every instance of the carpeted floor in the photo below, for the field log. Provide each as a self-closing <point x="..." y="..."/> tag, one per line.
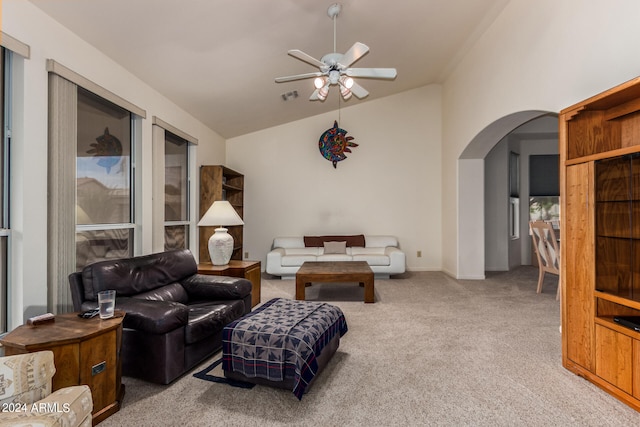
<point x="431" y="351"/>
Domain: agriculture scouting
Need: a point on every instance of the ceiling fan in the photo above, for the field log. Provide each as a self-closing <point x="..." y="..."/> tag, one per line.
<point x="335" y="68"/>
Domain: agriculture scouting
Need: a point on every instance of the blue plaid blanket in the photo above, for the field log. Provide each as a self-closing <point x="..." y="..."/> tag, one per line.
<point x="281" y="339"/>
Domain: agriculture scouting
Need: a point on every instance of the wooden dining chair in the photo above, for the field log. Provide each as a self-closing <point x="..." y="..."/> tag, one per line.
<point x="546" y="247"/>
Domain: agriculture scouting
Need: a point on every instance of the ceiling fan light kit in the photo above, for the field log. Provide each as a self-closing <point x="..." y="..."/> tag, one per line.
<point x="334" y="68"/>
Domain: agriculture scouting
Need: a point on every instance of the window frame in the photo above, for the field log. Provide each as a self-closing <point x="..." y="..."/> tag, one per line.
<point x="160" y="128"/>
<point x="183" y="222"/>
<point x="5" y="146"/>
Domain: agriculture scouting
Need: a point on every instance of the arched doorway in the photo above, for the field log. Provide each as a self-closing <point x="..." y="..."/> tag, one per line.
<point x="471" y="191"/>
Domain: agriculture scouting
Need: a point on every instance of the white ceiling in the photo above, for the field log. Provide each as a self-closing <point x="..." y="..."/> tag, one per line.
<point x="217" y="59"/>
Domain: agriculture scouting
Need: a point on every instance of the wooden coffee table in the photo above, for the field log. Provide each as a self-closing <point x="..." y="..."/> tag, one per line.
<point x="335" y="271"/>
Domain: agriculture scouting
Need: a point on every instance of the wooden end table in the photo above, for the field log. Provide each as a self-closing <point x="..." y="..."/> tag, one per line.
<point x="245" y="269"/>
<point x="85" y="351"/>
<point x="335" y="271"/>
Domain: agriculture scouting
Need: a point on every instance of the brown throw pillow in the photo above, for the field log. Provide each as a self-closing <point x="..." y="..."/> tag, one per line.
<point x="317" y="241"/>
<point x="335" y="247"/>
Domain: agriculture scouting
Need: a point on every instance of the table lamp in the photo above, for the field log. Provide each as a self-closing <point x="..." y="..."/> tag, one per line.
<point x="220" y="213"/>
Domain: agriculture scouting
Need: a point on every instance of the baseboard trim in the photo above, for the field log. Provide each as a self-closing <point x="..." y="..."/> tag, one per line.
<point x="462" y="277"/>
<point x="471" y="277"/>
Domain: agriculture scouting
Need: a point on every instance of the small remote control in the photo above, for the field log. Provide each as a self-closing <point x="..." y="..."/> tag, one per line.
<point x="43" y="318"/>
<point x="89" y="313"/>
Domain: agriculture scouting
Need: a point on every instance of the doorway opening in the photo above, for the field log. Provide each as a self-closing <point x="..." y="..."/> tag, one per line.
<point x="493" y="191"/>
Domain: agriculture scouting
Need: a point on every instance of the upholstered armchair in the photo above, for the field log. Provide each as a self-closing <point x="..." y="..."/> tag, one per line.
<point x="26" y="398"/>
<point x="174" y="316"/>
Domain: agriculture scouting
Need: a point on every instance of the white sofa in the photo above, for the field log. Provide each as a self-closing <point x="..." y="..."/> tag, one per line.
<point x="381" y="252"/>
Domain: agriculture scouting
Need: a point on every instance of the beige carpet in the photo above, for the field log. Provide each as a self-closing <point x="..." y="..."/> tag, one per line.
<point x="431" y="351"/>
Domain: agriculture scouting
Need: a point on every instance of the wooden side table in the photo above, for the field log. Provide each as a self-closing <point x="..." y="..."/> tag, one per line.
<point x="85" y="351"/>
<point x="245" y="269"/>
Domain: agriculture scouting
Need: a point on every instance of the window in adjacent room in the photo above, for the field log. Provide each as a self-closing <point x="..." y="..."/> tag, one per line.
<point x="104" y="186"/>
<point x="514" y="195"/>
<point x="544" y="187"/>
<point x="514" y="174"/>
<point x="176" y="192"/>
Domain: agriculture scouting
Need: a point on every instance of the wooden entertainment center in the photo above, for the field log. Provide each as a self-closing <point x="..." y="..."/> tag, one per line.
<point x="600" y="235"/>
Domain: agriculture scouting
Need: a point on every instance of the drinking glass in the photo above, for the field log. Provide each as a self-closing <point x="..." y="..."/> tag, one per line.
<point x="107" y="303"/>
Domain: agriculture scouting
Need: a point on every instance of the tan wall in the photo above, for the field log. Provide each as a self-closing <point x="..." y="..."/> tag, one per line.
<point x="389" y="184"/>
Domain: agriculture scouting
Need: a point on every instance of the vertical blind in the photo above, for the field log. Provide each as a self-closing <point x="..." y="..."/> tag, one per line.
<point x="63" y="127"/>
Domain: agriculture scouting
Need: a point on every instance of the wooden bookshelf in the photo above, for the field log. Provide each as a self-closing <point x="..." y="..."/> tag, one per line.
<point x="221" y="183"/>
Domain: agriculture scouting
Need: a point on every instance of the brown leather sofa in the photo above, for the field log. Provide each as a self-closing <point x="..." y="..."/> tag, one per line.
<point x="174" y="316"/>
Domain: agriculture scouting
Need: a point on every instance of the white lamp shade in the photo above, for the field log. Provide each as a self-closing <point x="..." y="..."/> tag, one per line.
<point x="219" y="214"/>
<point x="220" y="243"/>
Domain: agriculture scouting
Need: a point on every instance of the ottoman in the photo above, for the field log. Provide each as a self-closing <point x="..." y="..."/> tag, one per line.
<point x="283" y="343"/>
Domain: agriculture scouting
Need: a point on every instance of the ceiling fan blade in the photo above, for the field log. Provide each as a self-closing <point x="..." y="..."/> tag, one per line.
<point x="357" y="51"/>
<point x="314" y="96"/>
<point x="306" y="58"/>
<point x="358" y="90"/>
<point x="297" y="77"/>
<point x="372" y="73"/>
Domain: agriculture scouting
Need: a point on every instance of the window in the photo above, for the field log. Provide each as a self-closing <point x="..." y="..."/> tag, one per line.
<point x="176" y="192"/>
<point x="514" y="174"/>
<point x="544" y="175"/>
<point x="91" y="179"/>
<point x="104" y="207"/>
<point x="5" y="110"/>
<point x="172" y="193"/>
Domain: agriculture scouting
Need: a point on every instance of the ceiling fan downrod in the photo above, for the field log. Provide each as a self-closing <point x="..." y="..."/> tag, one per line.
<point x="333" y="12"/>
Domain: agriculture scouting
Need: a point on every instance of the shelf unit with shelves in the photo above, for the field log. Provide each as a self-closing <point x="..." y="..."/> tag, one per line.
<point x="219" y="182"/>
<point x="600" y="254"/>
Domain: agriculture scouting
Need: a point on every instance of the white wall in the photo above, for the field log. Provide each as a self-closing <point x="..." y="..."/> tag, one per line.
<point x="544" y="55"/>
<point x="389" y="184"/>
<point x="514" y="244"/>
<point x="47" y="39"/>
<point x="496" y="207"/>
<point x="471" y="202"/>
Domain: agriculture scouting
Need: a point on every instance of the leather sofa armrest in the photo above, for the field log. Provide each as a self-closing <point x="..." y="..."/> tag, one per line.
<point x="157" y="317"/>
<point x="392" y="251"/>
<point x="397" y="260"/>
<point x="276" y="253"/>
<point x="204" y="287"/>
<point x="396" y="256"/>
<point x="274" y="260"/>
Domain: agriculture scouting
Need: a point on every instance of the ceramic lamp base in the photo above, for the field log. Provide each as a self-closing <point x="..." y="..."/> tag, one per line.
<point x="220" y="247"/>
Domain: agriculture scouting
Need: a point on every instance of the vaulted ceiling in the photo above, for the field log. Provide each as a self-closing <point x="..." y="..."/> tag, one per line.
<point x="217" y="59"/>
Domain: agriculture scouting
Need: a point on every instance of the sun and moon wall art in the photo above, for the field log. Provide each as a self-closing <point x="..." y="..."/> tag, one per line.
<point x="334" y="143"/>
